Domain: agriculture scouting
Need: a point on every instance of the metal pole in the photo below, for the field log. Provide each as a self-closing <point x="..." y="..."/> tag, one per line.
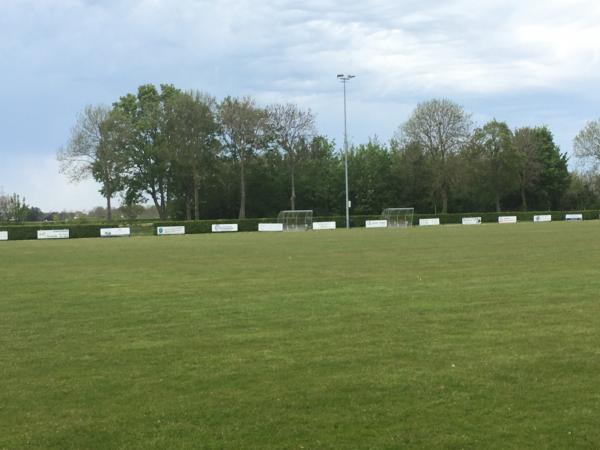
<point x="346" y="157"/>
<point x="344" y="79"/>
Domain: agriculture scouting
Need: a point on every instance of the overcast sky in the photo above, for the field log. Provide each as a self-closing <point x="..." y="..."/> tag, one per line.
<point x="525" y="62"/>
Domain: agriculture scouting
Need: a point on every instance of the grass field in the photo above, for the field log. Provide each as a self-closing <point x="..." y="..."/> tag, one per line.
<point x="445" y="337"/>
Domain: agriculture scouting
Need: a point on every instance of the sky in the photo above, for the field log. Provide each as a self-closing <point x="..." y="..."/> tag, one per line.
<point x="527" y="63"/>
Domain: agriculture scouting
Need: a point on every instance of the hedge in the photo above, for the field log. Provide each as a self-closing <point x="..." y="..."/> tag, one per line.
<point x="138" y="228"/>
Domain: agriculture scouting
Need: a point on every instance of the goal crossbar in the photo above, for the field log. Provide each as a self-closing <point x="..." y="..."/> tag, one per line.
<point x="296" y="220"/>
<point x="398" y="217"/>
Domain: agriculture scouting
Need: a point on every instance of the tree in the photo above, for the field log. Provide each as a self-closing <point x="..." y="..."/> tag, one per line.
<point x="529" y="165"/>
<point x="554" y="179"/>
<point x="291" y="128"/>
<point x="371" y="165"/>
<point x="95" y="150"/>
<point x="13" y="208"/>
<point x="583" y="192"/>
<point x="243" y="127"/>
<point x="496" y="159"/>
<point x="542" y="168"/>
<point x="34" y="214"/>
<point x="148" y="156"/>
<point x="321" y="180"/>
<point x="411" y="176"/>
<point x="441" y="128"/>
<point x="587" y="143"/>
<point x="109" y="165"/>
<point x="192" y="132"/>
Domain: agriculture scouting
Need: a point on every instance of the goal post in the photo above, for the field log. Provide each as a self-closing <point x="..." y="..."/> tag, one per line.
<point x="296" y="220"/>
<point x="398" y="217"/>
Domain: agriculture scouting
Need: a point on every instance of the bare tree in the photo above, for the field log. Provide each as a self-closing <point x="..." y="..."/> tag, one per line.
<point x="291" y="128"/>
<point x="243" y="127"/>
<point x="587" y="143"/>
<point x="93" y="151"/>
<point x="441" y="128"/>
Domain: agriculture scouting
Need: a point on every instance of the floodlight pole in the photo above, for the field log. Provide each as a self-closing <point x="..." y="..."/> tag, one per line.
<point x="344" y="79"/>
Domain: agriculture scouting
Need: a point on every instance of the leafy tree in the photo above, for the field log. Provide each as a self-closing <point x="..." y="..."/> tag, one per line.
<point x="13" y="208"/>
<point x="192" y="132"/>
<point x="441" y="128"/>
<point x="582" y="192"/>
<point x="496" y="160"/>
<point x="410" y="179"/>
<point x="371" y="165"/>
<point x="34" y="214"/>
<point x="291" y="128"/>
<point x="554" y="179"/>
<point x="149" y="157"/>
<point x="542" y="168"/>
<point x="321" y="180"/>
<point x="95" y="150"/>
<point x="243" y="126"/>
<point x="529" y="165"/>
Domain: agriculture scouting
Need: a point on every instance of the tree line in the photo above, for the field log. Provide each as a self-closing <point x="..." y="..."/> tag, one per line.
<point x="195" y="157"/>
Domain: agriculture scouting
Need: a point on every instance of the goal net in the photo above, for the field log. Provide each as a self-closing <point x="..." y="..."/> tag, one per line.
<point x="398" y="217"/>
<point x="298" y="220"/>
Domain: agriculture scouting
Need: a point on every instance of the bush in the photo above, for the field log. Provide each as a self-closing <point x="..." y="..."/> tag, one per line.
<point x="205" y="226"/>
<point x="147" y="228"/>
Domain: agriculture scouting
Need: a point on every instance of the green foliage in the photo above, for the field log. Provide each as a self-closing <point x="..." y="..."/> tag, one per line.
<point x="27" y="232"/>
<point x="148" y="227"/>
<point x="13" y="208"/>
<point x="370" y="168"/>
<point x="493" y="161"/>
<point x="196" y="158"/>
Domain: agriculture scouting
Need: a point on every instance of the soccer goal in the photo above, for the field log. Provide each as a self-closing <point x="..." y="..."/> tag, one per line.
<point x="398" y="217"/>
<point x="298" y="220"/>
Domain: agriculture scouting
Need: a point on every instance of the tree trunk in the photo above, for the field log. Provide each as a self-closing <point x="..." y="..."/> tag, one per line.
<point x="293" y="196"/>
<point x="444" y="200"/>
<point x="188" y="208"/>
<point x="242" y="214"/>
<point x="523" y="200"/>
<point x="108" y="207"/>
<point x="158" y="205"/>
<point x="196" y="199"/>
<point x="163" y="206"/>
<point x="498" y="209"/>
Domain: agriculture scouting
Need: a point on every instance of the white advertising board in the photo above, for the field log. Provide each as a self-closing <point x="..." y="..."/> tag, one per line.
<point x="429" y="222"/>
<point x="53" y="234"/>
<point x="224" y="227"/>
<point x="115" y="232"/>
<point x="323" y="225"/>
<point x="507" y="219"/>
<point x="471" y="220"/>
<point x="270" y="227"/>
<point x="574" y="217"/>
<point x="3" y="235"/>
<point x="376" y="224"/>
<point x="543" y="218"/>
<point x="169" y="231"/>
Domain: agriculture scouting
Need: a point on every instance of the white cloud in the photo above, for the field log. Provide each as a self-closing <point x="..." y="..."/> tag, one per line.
<point x="38" y="180"/>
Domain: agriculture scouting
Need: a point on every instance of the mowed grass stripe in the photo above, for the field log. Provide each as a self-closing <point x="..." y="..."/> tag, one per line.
<point x="466" y="337"/>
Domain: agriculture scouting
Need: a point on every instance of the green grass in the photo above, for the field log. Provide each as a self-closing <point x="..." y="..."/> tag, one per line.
<point x="447" y="337"/>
